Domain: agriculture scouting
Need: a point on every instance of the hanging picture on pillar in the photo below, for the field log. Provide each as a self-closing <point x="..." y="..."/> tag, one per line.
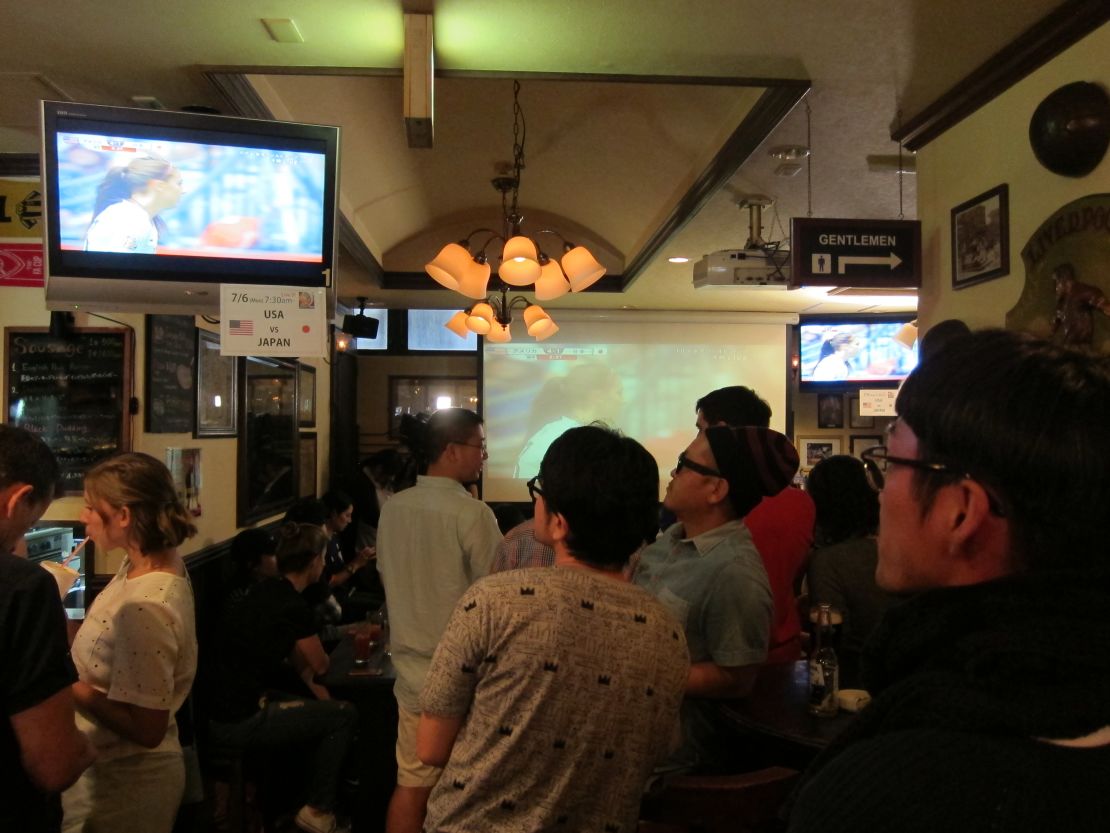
<point x="981" y="238"/>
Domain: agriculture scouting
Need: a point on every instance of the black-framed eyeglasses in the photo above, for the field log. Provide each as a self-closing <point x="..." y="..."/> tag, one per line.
<point x="876" y="462"/>
<point x="534" y="489"/>
<point x="685" y="462"/>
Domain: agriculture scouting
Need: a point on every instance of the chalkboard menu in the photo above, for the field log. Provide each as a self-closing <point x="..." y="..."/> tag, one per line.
<point x="73" y="392"/>
<point x="171" y="373"/>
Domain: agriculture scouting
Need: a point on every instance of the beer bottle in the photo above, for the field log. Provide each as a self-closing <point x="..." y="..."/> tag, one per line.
<point x="824" y="669"/>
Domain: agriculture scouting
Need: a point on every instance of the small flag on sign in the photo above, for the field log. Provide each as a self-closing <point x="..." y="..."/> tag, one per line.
<point x="240" y="328"/>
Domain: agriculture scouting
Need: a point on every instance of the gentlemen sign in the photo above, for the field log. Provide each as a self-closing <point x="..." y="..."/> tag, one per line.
<point x="273" y="321"/>
<point x="858" y="253"/>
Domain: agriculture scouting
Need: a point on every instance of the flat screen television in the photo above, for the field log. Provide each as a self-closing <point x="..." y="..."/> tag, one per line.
<point x="143" y="199"/>
<point x="853" y="352"/>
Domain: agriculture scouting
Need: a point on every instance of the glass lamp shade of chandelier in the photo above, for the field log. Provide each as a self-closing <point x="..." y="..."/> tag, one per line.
<point x="581" y="268"/>
<point x="457" y="324"/>
<point x="481" y="318"/>
<point x="499" y="333"/>
<point x="537" y="321"/>
<point x="548" y="333"/>
<point x="551" y="283"/>
<point x="452" y="262"/>
<point x="520" y="264"/>
<point x="473" y="282"/>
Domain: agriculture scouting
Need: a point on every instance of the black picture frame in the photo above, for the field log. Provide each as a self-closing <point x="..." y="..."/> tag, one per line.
<point x="981" y="238"/>
<point x="830" y="410"/>
<point x="217" y="402"/>
<point x="855" y="418"/>
<point x="268" y="453"/>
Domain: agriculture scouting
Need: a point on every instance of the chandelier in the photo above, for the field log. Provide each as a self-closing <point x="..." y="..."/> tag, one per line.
<point x="522" y="262"/>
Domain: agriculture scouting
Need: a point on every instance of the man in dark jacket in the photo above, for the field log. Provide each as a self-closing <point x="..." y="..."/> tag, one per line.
<point x="992" y="684"/>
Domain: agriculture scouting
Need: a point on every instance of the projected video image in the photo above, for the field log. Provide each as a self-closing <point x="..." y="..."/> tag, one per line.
<point x="854" y="352"/>
<point x="534" y="392"/>
<point x="184" y="198"/>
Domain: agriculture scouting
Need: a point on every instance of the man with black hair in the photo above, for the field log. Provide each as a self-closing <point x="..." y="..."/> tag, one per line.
<point x="707" y="572"/>
<point x="41" y="750"/>
<point x="991" y="686"/>
<point x="781" y="525"/>
<point x="555" y="690"/>
<point x="434" y="541"/>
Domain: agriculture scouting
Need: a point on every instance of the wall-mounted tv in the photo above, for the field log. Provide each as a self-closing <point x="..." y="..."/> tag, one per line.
<point x="142" y="198"/>
<point x="853" y="352"/>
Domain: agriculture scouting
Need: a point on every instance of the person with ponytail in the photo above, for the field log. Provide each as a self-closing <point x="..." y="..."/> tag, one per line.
<point x="136" y="653"/>
<point x="128" y="202"/>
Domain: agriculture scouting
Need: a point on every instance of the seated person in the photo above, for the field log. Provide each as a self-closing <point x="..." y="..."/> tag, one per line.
<point x="356" y="592"/>
<point x="253" y="558"/>
<point x="269" y="640"/>
<point x="325" y="606"/>
<point x="842" y="567"/>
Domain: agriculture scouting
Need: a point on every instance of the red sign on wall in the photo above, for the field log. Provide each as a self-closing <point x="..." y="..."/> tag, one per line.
<point x="21" y="264"/>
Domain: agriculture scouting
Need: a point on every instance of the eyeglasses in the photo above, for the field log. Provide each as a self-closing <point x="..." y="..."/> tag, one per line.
<point x="876" y="461"/>
<point x="686" y="463"/>
<point x="534" y="488"/>
<point x="481" y="446"/>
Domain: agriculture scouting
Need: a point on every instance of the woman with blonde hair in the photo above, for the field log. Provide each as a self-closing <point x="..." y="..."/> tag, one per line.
<point x="136" y="653"/>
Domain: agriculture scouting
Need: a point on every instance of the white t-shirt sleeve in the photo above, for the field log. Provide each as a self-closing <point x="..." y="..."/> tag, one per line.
<point x="147" y="641"/>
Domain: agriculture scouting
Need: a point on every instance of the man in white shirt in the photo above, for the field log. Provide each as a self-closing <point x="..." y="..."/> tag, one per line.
<point x="434" y="541"/>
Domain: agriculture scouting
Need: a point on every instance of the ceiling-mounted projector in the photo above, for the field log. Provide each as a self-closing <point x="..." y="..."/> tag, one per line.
<point x="743" y="269"/>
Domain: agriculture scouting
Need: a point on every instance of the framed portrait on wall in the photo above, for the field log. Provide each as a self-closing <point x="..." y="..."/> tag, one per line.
<point x="812" y="450"/>
<point x="830" y="410"/>
<point x="217" y="401"/>
<point x="859" y="443"/>
<point x="855" y="418"/>
<point x="981" y="238"/>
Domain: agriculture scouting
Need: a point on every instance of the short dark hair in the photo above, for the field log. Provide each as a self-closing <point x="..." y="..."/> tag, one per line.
<point x="847" y="506"/>
<point x="735" y="405"/>
<point x="307" y="510"/>
<point x="606" y="487"/>
<point x="299" y="544"/>
<point x="336" y="502"/>
<point x="430" y="438"/>
<point x="25" y="458"/>
<point x="939" y="336"/>
<point x="1027" y="419"/>
<point x="249" y="547"/>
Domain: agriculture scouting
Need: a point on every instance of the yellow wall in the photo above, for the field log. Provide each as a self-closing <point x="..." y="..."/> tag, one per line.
<point x="987" y="149"/>
<point x="21" y="307"/>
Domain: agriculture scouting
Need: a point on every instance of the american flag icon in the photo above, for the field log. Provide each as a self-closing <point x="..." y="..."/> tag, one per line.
<point x="239" y="327"/>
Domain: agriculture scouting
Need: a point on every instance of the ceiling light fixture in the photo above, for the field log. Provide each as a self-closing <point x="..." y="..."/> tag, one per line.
<point x="522" y="262"/>
<point x="678" y="259"/>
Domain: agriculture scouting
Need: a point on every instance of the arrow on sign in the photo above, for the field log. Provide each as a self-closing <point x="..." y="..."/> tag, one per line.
<point x="844" y="262"/>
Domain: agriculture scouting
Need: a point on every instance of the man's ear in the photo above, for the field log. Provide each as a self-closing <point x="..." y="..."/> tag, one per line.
<point x="557" y="526"/>
<point x="10" y="496"/>
<point x="718" y="491"/>
<point x="976" y="536"/>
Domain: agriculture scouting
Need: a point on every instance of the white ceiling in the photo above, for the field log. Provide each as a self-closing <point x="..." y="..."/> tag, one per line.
<point x="607" y="162"/>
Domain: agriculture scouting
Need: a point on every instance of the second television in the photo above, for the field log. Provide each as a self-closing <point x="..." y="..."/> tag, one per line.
<point x="845" y="352"/>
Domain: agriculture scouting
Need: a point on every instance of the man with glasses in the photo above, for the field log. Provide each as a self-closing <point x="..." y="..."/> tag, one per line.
<point x="434" y="541"/>
<point x="781" y="525"/>
<point x="555" y="690"/>
<point x="708" y="573"/>
<point x="991" y="685"/>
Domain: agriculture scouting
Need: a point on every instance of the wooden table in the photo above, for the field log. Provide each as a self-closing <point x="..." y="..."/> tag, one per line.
<point x="372" y="695"/>
<point x="776" y="715"/>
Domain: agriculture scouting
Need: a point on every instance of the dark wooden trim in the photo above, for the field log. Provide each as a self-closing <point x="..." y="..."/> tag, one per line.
<point x="419" y="281"/>
<point x="236" y="90"/>
<point x="19" y="164"/>
<point x="757" y="125"/>
<point x="1038" y="45"/>
<point x="351" y="242"/>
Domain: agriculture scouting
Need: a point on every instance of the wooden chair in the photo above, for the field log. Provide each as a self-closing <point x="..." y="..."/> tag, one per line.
<point x="744" y="803"/>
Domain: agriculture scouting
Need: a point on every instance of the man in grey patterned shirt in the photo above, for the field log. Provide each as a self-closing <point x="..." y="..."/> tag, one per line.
<point x="555" y="691"/>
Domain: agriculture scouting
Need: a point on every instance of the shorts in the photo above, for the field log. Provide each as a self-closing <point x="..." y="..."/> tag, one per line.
<point x="410" y="771"/>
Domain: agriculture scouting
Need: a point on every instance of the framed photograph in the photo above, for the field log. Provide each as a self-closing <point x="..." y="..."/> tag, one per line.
<point x="307" y="446"/>
<point x="427" y="394"/>
<point x="981" y="238"/>
<point x="855" y="419"/>
<point x="268" y="452"/>
<point x="830" y="410"/>
<point x="306" y="396"/>
<point x="217" y="402"/>
<point x="861" y="442"/>
<point x="812" y="450"/>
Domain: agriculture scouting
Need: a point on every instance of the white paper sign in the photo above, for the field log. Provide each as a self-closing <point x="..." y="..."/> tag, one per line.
<point x="878" y="402"/>
<point x="273" y="321"/>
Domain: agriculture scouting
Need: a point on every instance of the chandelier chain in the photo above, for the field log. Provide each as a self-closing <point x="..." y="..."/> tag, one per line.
<point x="898" y="118"/>
<point x="519" y="134"/>
<point x="809" y="162"/>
